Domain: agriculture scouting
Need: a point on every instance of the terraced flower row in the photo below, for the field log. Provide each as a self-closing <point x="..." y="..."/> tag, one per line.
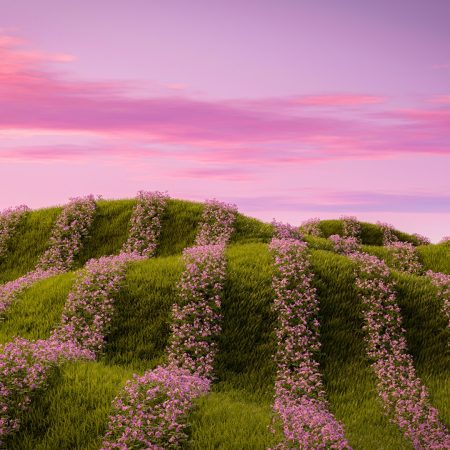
<point x="70" y="229"/>
<point x="152" y="410"/>
<point x="9" y="219"/>
<point x="299" y="394"/>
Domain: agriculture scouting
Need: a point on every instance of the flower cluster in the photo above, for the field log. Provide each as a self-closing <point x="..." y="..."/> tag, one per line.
<point x="345" y="245"/>
<point x="24" y="368"/>
<point x="405" y="257"/>
<point x="311" y="227"/>
<point x="217" y="223"/>
<point x="146" y="223"/>
<point x="152" y="410"/>
<point x="445" y="240"/>
<point x="71" y="227"/>
<point x="196" y="319"/>
<point x="404" y="396"/>
<point x="299" y="394"/>
<point x="388" y="231"/>
<point x="421" y="240"/>
<point x="10" y="290"/>
<point x="286" y="230"/>
<point x="9" y="219"/>
<point x="442" y="282"/>
<point x="350" y="227"/>
<point x="89" y="306"/>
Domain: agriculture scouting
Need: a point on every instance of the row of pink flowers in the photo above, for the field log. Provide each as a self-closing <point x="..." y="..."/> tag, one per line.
<point x="442" y="282"/>
<point x="299" y="394"/>
<point x="71" y="228"/>
<point x="404" y="396"/>
<point x="311" y="227"/>
<point x="152" y="410"/>
<point x="9" y="219"/>
<point x="286" y="230"/>
<point x="217" y="223"/>
<point x="351" y="227"/>
<point x="25" y="365"/>
<point x="145" y="225"/>
<point x="68" y="233"/>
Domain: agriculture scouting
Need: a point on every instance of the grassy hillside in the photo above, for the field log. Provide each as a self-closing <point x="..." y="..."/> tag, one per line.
<point x="73" y="411"/>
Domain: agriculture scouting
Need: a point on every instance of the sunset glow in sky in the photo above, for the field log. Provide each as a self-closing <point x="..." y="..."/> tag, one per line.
<point x="291" y="109"/>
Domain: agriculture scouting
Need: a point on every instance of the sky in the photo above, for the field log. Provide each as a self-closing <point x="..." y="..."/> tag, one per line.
<point x="290" y="109"/>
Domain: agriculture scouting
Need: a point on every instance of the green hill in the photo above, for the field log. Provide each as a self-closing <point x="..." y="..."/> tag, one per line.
<point x="72" y="412"/>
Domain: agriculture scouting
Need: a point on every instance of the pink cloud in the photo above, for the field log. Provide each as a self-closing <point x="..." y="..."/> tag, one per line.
<point x="338" y="100"/>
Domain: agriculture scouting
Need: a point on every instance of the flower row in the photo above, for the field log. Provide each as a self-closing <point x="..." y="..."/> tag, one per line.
<point x="404" y="396"/>
<point x="217" y="223"/>
<point x="442" y="282"/>
<point x="146" y="223"/>
<point x="151" y="412"/>
<point x="9" y="219"/>
<point x="299" y="394"/>
<point x="71" y="227"/>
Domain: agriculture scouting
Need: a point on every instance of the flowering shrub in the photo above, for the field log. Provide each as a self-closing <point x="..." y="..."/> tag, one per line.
<point x="217" y="222"/>
<point x="196" y="319"/>
<point x="445" y="240"/>
<point x="345" y="245"/>
<point x="71" y="227"/>
<point x="9" y="219"/>
<point x="350" y="227"/>
<point x="89" y="306"/>
<point x="152" y="410"/>
<point x="146" y="223"/>
<point x="299" y="394"/>
<point x="421" y="240"/>
<point x="389" y="235"/>
<point x="405" y="257"/>
<point x="286" y="230"/>
<point x="311" y="227"/>
<point x="404" y="396"/>
<point x="24" y="368"/>
<point x="442" y="282"/>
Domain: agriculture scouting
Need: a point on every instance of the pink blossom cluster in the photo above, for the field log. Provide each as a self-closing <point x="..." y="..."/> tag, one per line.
<point x="71" y="227"/>
<point x="197" y="317"/>
<point x="388" y="233"/>
<point x="152" y="409"/>
<point x="216" y="225"/>
<point x="90" y="305"/>
<point x="9" y="219"/>
<point x="24" y="369"/>
<point x="422" y="240"/>
<point x="311" y="227"/>
<point x="299" y="393"/>
<point x="146" y="223"/>
<point x="351" y="227"/>
<point x="404" y="396"/>
<point x="442" y="282"/>
<point x="286" y="230"/>
<point x="10" y="290"/>
<point x="405" y="257"/>
<point x="444" y="240"/>
<point x="345" y="245"/>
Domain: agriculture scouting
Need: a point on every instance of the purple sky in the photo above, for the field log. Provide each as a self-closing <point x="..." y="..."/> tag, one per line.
<point x="290" y="109"/>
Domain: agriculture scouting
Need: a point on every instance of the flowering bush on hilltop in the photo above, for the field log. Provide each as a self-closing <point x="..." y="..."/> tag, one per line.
<point x="217" y="223"/>
<point x="299" y="395"/>
<point x="311" y="227"/>
<point x="152" y="410"/>
<point x="71" y="227"/>
<point x="351" y="227"/>
<point x="442" y="282"/>
<point x="9" y="219"/>
<point x="146" y="223"/>
<point x="286" y="230"/>
<point x="404" y="396"/>
<point x="422" y="240"/>
<point x="345" y="245"/>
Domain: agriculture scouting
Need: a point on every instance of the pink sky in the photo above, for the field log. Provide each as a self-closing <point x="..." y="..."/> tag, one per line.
<point x="289" y="109"/>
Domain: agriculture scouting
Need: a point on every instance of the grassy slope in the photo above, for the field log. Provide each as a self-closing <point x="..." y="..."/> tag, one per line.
<point x="237" y="412"/>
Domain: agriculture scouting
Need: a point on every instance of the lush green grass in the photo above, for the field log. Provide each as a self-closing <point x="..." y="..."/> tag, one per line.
<point x="37" y="310"/>
<point x="73" y="411"/>
<point x="28" y="243"/>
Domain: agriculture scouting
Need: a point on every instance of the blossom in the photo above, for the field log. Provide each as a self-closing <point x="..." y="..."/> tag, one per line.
<point x="311" y="227"/>
<point x="286" y="230"/>
<point x="9" y="219"/>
